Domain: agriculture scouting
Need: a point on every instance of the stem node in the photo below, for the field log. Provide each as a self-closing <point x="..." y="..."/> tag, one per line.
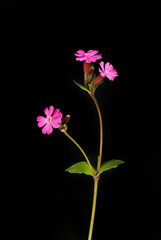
<point x="97" y="177"/>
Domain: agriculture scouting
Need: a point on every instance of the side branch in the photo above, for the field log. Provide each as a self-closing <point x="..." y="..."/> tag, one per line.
<point x="80" y="150"/>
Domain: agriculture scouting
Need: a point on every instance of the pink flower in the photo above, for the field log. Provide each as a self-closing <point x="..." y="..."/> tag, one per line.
<point x="50" y="121"/>
<point x="108" y="71"/>
<point x="89" y="57"/>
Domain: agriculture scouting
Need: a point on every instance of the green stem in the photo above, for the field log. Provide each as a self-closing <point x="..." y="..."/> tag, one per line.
<point x="101" y="132"/>
<point x="93" y="207"/>
<point x="80" y="150"/>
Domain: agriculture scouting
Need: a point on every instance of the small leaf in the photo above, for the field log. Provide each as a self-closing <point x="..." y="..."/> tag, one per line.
<point x="98" y="84"/>
<point x="92" y="66"/>
<point x="110" y="164"/>
<point x="80" y="167"/>
<point x="81" y="86"/>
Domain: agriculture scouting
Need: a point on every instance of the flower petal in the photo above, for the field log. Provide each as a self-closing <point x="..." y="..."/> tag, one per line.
<point x="101" y="72"/>
<point x="111" y="75"/>
<point x="40" y="118"/>
<point x="88" y="59"/>
<point x="56" y="120"/>
<point x="50" y="129"/>
<point x="51" y="110"/>
<point x="102" y="65"/>
<point x="46" y="128"/>
<point x="81" y="59"/>
<point x="107" y="66"/>
<point x="56" y="111"/>
<point x="46" y="111"/>
<point x="42" y="123"/>
<point x="57" y="116"/>
<point x="55" y="124"/>
<point x="80" y="53"/>
<point x="110" y="68"/>
<point x="92" y="52"/>
<point x="95" y="58"/>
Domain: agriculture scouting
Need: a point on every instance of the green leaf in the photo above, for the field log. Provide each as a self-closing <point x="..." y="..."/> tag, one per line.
<point x="90" y="67"/>
<point x="98" y="84"/>
<point x="110" y="164"/>
<point x="80" y="167"/>
<point x="81" y="86"/>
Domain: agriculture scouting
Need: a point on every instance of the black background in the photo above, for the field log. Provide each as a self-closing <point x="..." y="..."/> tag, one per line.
<point x="38" y="199"/>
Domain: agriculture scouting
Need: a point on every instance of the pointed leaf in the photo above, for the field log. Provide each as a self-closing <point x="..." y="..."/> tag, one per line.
<point x="81" y="86"/>
<point x="110" y="164"/>
<point x="92" y="66"/>
<point x="80" y="167"/>
<point x="98" y="84"/>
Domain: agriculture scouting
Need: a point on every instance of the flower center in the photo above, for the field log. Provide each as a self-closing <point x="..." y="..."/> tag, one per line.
<point x="49" y="118"/>
<point x="106" y="72"/>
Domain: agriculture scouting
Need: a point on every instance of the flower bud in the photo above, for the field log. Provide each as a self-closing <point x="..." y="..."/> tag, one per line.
<point x="86" y="66"/>
<point x="91" y="70"/>
<point x="66" y="119"/>
<point x="88" y="75"/>
<point x="98" y="79"/>
<point x="63" y="125"/>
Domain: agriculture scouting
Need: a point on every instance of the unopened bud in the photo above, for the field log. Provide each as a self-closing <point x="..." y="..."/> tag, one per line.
<point x="91" y="70"/>
<point x="66" y="119"/>
<point x="63" y="125"/>
<point x="98" y="79"/>
<point x="90" y="74"/>
<point x="86" y="66"/>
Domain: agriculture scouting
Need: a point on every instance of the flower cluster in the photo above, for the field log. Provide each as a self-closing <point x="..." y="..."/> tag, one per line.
<point x="54" y="119"/>
<point x="106" y="70"/>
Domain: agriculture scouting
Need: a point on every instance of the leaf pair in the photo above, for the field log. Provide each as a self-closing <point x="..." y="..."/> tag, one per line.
<point x="83" y="167"/>
<point x="92" y="86"/>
